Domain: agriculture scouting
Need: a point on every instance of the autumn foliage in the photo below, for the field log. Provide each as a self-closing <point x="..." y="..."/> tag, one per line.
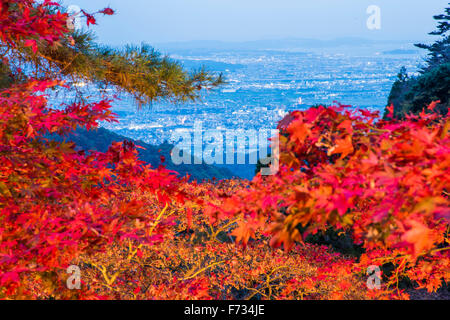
<point x="138" y="232"/>
<point x="385" y="182"/>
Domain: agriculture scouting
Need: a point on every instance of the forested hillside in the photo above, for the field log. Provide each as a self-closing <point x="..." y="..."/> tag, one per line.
<point x="413" y="94"/>
<point x="100" y="139"/>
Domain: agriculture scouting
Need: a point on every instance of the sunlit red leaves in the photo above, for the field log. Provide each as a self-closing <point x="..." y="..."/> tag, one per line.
<point x="32" y="44"/>
<point x="389" y="186"/>
<point x="70" y="203"/>
<point x="343" y="147"/>
<point x="433" y="105"/>
<point x="243" y="232"/>
<point x="298" y="131"/>
<point x="419" y="237"/>
<point x="24" y="20"/>
<point x="391" y="111"/>
<point x="89" y="18"/>
<point x="369" y="173"/>
<point x="107" y="11"/>
<point x="389" y="174"/>
<point x="285" y="233"/>
<point x="347" y="126"/>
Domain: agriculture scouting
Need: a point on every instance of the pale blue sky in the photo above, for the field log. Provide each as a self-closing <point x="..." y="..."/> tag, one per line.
<point x="155" y="21"/>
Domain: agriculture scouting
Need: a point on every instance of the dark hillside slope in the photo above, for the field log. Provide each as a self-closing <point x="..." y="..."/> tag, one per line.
<point x="100" y="139"/>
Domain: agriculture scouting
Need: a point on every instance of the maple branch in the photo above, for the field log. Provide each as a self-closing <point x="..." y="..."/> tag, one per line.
<point x="203" y="270"/>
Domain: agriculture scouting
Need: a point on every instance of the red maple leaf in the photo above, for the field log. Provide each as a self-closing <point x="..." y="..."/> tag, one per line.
<point x="107" y="11"/>
<point x="391" y="111"/>
<point x="89" y="18"/>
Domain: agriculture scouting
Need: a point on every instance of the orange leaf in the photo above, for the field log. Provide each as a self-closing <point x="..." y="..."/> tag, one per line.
<point x="343" y="146"/>
<point x="299" y="131"/>
<point x="419" y="236"/>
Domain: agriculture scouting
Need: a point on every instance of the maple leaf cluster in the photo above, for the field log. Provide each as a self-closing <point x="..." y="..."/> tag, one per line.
<point x="56" y="202"/>
<point x="386" y="182"/>
<point x="198" y="260"/>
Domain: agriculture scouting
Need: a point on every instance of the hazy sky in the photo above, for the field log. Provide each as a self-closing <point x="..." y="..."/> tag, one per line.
<point x="155" y="21"/>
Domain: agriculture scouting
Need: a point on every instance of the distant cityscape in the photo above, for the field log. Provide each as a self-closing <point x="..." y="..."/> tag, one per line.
<point x="263" y="86"/>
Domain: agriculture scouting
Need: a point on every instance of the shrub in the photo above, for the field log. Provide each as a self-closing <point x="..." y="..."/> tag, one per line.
<point x="384" y="181"/>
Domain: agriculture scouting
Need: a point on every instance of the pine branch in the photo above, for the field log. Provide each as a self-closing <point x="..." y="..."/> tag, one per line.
<point x="139" y="71"/>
